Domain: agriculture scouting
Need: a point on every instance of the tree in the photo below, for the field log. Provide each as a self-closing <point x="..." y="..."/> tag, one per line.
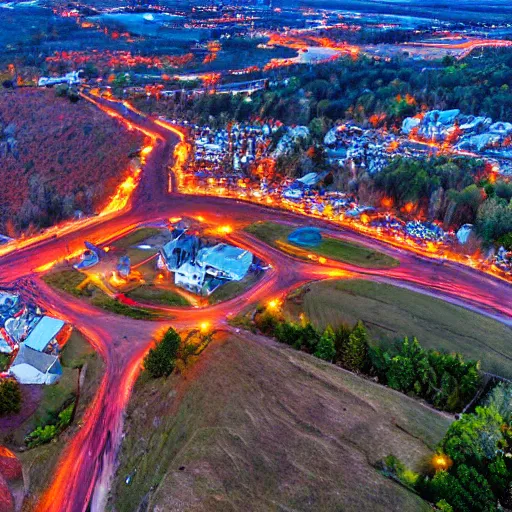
<point x="474" y="438"/>
<point x="325" y="348"/>
<point x="10" y="397"/>
<point x="494" y="219"/>
<point x="161" y="360"/>
<point x="355" y="355"/>
<point x="401" y="374"/>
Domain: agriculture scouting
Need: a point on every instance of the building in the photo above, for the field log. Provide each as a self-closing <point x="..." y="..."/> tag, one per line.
<point x="203" y="269"/>
<point x="34" y="367"/>
<point x="43" y="336"/>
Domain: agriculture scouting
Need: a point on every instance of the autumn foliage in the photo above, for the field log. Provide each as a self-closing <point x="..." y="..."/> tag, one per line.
<point x="56" y="157"/>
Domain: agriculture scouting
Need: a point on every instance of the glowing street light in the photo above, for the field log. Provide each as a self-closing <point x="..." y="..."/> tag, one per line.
<point x="204" y="327"/>
<point x="273" y="304"/>
<point x="441" y="462"/>
<point x="225" y="230"/>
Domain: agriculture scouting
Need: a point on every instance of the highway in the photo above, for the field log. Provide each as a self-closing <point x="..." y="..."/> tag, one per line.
<point x="88" y="463"/>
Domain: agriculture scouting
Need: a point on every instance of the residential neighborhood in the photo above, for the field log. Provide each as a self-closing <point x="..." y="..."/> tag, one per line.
<point x="31" y="340"/>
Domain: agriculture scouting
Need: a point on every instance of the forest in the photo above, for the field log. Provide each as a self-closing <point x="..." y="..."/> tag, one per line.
<point x="57" y="157"/>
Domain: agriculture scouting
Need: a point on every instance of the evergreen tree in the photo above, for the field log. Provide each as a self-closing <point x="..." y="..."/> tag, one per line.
<point x="325" y="348"/>
<point x="341" y="335"/>
<point x="355" y="355"/>
<point x="161" y="360"/>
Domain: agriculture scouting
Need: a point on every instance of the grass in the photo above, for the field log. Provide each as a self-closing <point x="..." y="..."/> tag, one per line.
<point x="152" y="294"/>
<point x="4" y="362"/>
<point x="76" y="352"/>
<point x="233" y="288"/>
<point x="66" y="280"/>
<point x="105" y="302"/>
<point x="390" y="312"/>
<point x="254" y="425"/>
<point x="136" y="237"/>
<point x="39" y="462"/>
<point x="276" y="235"/>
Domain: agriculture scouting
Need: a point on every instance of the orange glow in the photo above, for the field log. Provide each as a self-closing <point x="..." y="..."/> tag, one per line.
<point x="225" y="230"/>
<point x="409" y="207"/>
<point x="441" y="462"/>
<point x="205" y="326"/>
<point x="273" y="304"/>
<point x="387" y="202"/>
<point x="123" y="194"/>
<point x="322" y="260"/>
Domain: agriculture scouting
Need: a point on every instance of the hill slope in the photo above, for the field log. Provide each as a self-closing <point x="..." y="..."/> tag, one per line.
<point x="258" y="426"/>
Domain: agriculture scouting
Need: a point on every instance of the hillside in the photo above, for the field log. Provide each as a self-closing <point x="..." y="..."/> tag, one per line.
<point x="255" y="425"/>
<point x="57" y="157"/>
<point x="391" y="313"/>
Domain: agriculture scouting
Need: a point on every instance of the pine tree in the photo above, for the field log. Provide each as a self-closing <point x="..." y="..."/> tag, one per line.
<point x="354" y="354"/>
<point x="325" y="348"/>
<point x="161" y="360"/>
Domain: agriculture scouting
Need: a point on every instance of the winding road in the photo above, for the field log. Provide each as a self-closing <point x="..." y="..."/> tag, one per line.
<point x="84" y="474"/>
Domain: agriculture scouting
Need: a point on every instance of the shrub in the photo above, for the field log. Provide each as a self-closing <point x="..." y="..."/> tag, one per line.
<point x="10" y="397"/>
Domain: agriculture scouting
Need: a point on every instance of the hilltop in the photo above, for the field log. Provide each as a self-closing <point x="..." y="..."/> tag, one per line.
<point x="255" y="425"/>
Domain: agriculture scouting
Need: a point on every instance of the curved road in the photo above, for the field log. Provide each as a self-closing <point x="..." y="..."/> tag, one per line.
<point x="84" y="474"/>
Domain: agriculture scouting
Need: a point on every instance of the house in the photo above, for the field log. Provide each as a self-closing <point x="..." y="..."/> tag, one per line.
<point x="203" y="269"/>
<point x="34" y="367"/>
<point x="225" y="261"/>
<point x="43" y="336"/>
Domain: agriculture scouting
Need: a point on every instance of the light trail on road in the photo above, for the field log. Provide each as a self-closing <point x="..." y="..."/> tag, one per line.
<point x="88" y="463"/>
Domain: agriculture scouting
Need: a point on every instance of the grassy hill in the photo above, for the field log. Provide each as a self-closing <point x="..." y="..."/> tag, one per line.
<point x="390" y="312"/>
<point x="255" y="425"/>
<point x="276" y="235"/>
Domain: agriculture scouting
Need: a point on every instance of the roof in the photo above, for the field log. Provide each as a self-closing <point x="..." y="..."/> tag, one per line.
<point x="178" y="251"/>
<point x="39" y="360"/>
<point x="228" y="259"/>
<point x="44" y="332"/>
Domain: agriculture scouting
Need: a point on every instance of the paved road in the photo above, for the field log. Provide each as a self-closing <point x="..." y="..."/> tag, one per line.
<point x="86" y="468"/>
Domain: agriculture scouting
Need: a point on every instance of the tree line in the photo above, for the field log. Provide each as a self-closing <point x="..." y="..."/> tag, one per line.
<point x="444" y="380"/>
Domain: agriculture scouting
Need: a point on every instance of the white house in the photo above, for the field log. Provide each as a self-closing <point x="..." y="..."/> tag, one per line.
<point x="33" y="367"/>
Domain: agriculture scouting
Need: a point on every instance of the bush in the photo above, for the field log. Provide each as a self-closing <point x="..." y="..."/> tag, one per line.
<point x="45" y="433"/>
<point x="161" y="360"/>
<point x="10" y="397"/>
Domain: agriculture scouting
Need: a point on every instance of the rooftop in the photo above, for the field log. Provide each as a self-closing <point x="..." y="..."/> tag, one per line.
<point x="44" y="331"/>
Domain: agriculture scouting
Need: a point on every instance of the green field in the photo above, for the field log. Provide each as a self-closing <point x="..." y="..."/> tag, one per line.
<point x="390" y="312"/>
<point x="154" y="295"/>
<point x="276" y="235"/>
<point x="233" y="288"/>
<point x="67" y="281"/>
<point x="255" y="425"/>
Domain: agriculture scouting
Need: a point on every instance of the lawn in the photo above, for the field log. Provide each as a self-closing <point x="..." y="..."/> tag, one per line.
<point x="276" y="235"/>
<point x="136" y="237"/>
<point x="233" y="288"/>
<point x="152" y="294"/>
<point x="390" y="312"/>
<point x="255" y="425"/>
<point x="103" y="301"/>
<point x="68" y="280"/>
